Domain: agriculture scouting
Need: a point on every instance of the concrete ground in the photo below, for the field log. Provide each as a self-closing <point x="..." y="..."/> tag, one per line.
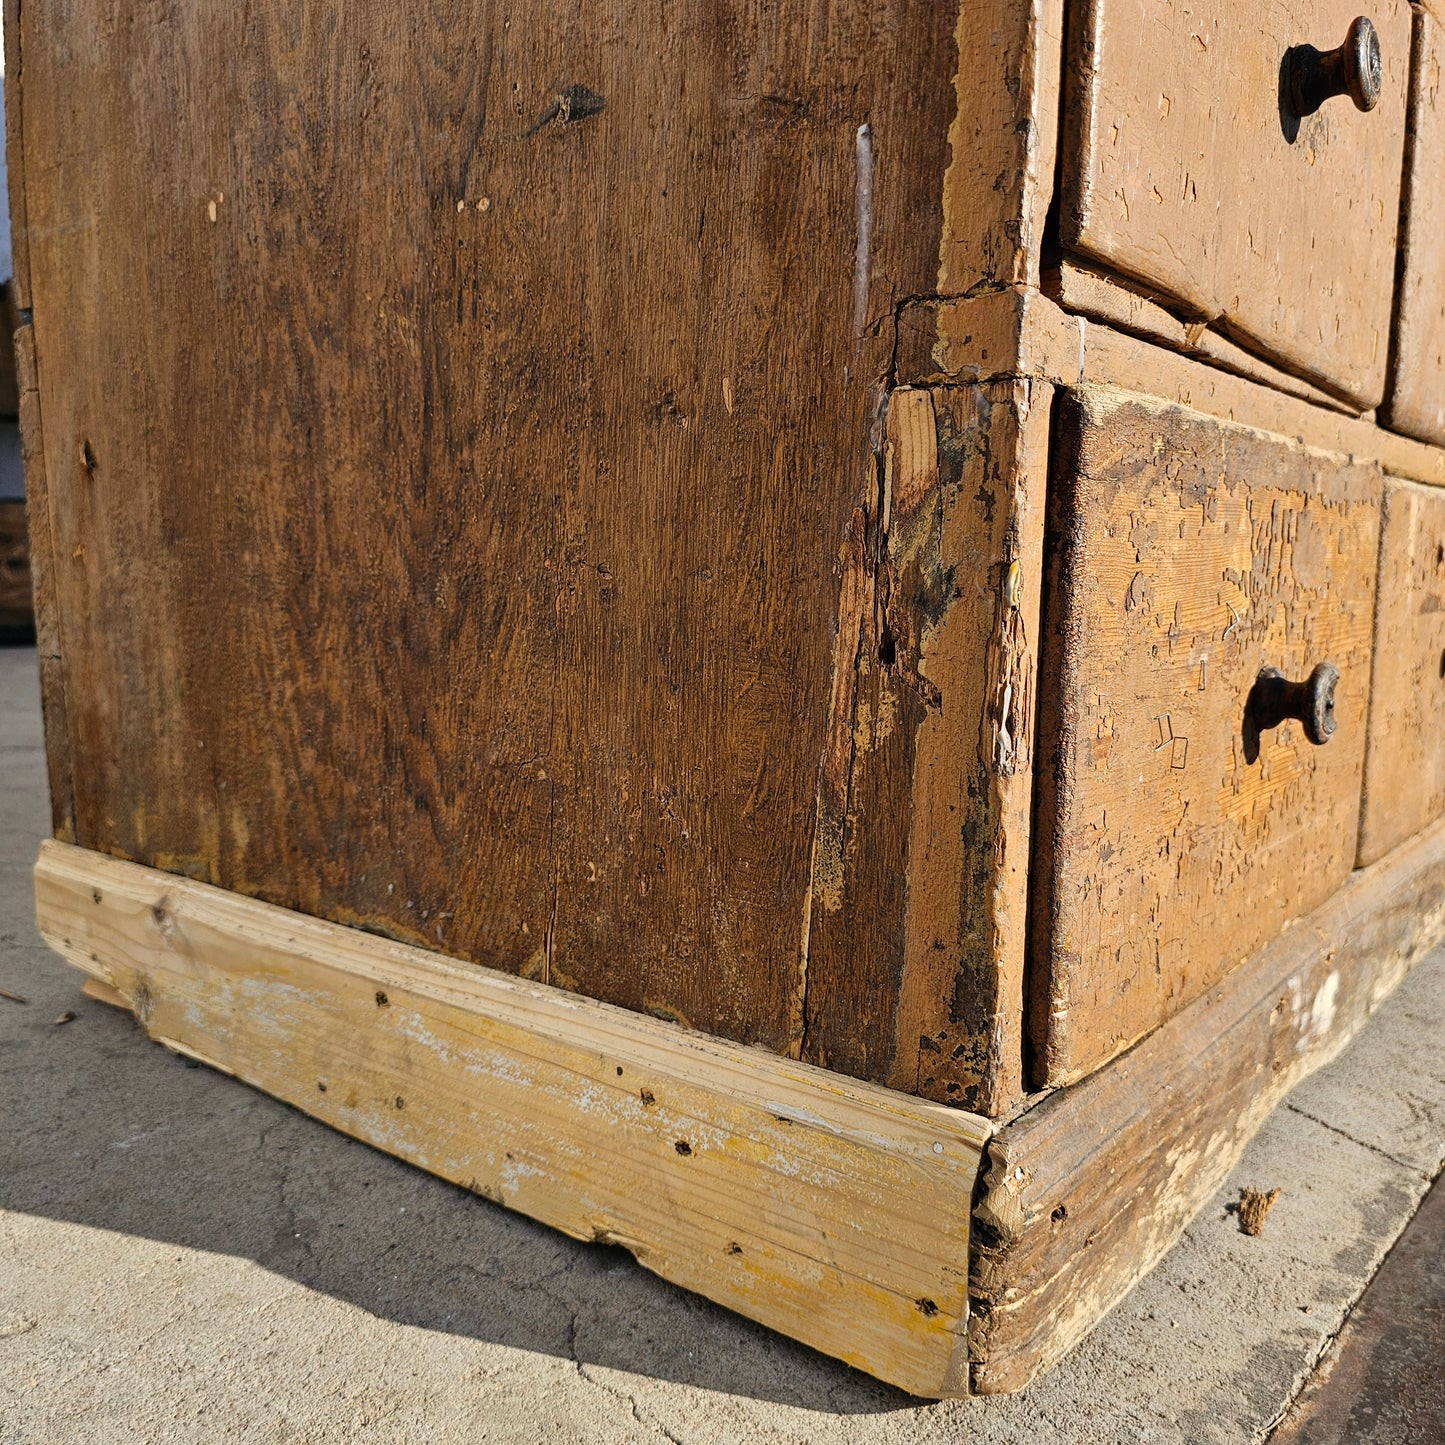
<point x="184" y="1259"/>
<point x="1381" y="1383"/>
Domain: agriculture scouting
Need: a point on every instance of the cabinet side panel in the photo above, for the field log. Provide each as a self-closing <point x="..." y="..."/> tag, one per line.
<point x="454" y="418"/>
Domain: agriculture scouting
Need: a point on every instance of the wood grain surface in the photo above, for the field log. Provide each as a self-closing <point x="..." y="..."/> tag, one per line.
<point x="15" y="159"/>
<point x="1002" y="145"/>
<point x="1105" y="298"/>
<point x="1013" y="333"/>
<point x="454" y="418"/>
<point x="1186" y="556"/>
<point x="1085" y="1193"/>
<point x="59" y="750"/>
<point x="916" y="948"/>
<point x="1405" y="757"/>
<point x="835" y="1211"/>
<point x="1416" y="400"/>
<point x="1183" y="168"/>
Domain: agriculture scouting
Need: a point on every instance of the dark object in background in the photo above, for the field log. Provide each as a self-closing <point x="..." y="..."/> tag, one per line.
<point x="17" y="611"/>
<point x="17" y="607"/>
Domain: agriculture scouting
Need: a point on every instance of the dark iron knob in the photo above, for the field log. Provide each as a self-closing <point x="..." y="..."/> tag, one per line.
<point x="1274" y="699"/>
<point x="1355" y="70"/>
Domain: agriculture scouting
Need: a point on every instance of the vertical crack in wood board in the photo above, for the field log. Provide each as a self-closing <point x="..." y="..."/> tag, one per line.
<point x="1083" y="1194"/>
<point x="832" y="1210"/>
<point x="996" y="194"/>
<point x="916" y="933"/>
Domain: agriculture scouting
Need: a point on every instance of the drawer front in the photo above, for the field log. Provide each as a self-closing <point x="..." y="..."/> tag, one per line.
<point x="1405" y="756"/>
<point x="1417" y="384"/>
<point x="1178" y="829"/>
<point x="1185" y="167"/>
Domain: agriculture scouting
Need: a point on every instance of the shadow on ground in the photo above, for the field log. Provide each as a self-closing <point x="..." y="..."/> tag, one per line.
<point x="101" y="1127"/>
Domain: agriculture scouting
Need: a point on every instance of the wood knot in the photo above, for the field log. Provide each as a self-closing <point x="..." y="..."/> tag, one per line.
<point x="567" y="107"/>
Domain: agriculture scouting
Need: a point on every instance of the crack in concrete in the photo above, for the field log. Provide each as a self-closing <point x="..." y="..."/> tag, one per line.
<point x="623" y="1396"/>
<point x="627" y="1398"/>
<point x="1363" y="1144"/>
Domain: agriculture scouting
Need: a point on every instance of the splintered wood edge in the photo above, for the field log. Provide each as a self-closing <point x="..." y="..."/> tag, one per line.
<point x="834" y="1211"/>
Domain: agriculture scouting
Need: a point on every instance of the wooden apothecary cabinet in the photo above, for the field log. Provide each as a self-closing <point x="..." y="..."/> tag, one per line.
<point x="632" y="609"/>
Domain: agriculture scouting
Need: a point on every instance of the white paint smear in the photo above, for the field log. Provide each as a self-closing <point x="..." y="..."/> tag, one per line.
<point x="864" y="255"/>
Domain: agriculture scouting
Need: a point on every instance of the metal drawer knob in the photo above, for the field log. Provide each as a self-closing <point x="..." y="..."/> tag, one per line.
<point x="1355" y="69"/>
<point x="1274" y="699"/>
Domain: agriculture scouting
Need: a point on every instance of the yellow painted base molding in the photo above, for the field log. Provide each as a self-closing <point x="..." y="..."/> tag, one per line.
<point x="831" y="1210"/>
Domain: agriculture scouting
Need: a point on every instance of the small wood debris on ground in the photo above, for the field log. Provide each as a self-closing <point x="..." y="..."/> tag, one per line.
<point x="13" y="997"/>
<point x="1254" y="1205"/>
<point x="66" y="1017"/>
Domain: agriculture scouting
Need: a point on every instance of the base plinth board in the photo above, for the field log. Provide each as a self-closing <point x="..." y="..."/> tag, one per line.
<point x="834" y="1211"/>
<point x="1083" y="1194"/>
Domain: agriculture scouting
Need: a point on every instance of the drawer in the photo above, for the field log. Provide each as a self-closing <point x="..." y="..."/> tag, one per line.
<point x="1416" y="401"/>
<point x="1405" y="755"/>
<point x="1180" y="824"/>
<point x="1186" y="168"/>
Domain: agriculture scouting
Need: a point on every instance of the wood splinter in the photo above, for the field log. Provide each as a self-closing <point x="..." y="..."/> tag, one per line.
<point x="1254" y="1205"/>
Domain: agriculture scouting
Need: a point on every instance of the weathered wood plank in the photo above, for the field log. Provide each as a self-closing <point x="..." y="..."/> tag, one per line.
<point x="1416" y="399"/>
<point x="452" y="428"/>
<point x="1404" y="784"/>
<point x="834" y="1211"/>
<point x="1186" y="556"/>
<point x="1085" y="1192"/>
<point x="1025" y="333"/>
<point x="999" y="182"/>
<point x="59" y="752"/>
<point x="916" y="942"/>
<point x="1003" y="144"/>
<point x="1184" y="167"/>
<point x="1104" y="298"/>
<point x="15" y="155"/>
